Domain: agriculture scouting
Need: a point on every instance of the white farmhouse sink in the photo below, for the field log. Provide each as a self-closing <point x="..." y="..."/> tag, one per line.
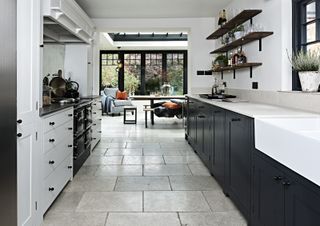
<point x="294" y="142"/>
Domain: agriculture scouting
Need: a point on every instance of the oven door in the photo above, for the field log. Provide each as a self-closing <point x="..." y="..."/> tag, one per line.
<point x="88" y="116"/>
<point x="79" y="121"/>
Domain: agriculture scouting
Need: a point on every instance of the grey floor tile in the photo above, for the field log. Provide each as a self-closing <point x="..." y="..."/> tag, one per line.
<point x="218" y="201"/>
<point x="92" y="184"/>
<point x="99" y="151"/>
<point x="125" y="152"/>
<point x="166" y="170"/>
<point x="110" y="202"/>
<point x="143" y="219"/>
<point x="175" y="201"/>
<point x="75" y="219"/>
<point x="182" y="159"/>
<point x="165" y="152"/>
<point x="194" y="183"/>
<point x="143" y="160"/>
<point x="86" y="172"/>
<point x="231" y="218"/>
<point x="103" y="160"/>
<point x="119" y="170"/>
<point x="199" y="169"/>
<point x="142" y="184"/>
<point x="67" y="202"/>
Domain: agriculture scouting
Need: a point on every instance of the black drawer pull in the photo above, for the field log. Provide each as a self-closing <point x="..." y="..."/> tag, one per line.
<point x="69" y="167"/>
<point x="99" y="131"/>
<point x="70" y="115"/>
<point x="51" y="140"/>
<point x="51" y="162"/>
<point x="286" y="183"/>
<point x="51" y="123"/>
<point x="70" y="146"/>
<point x="19" y="121"/>
<point x="236" y="120"/>
<point x="94" y="124"/>
<point x="277" y="178"/>
<point x="94" y="112"/>
<point x="19" y="135"/>
<point x="51" y="189"/>
<point x="69" y="128"/>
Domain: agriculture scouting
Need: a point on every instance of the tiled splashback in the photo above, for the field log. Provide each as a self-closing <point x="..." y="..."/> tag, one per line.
<point x="297" y="100"/>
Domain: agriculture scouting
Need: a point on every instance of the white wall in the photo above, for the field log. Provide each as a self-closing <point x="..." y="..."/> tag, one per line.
<point x="77" y="68"/>
<point x="53" y="59"/>
<point x="198" y="47"/>
<point x="275" y="74"/>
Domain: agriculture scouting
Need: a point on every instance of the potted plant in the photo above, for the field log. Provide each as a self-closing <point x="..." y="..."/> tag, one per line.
<point x="238" y="32"/>
<point x="307" y="64"/>
<point x="220" y="61"/>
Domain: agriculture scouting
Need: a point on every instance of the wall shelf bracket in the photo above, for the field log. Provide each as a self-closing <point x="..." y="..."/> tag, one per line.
<point x="221" y="75"/>
<point x="251" y="72"/>
<point x="260" y="44"/>
<point x="234" y="74"/>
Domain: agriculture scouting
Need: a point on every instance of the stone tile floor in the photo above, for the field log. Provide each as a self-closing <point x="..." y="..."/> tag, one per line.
<point x="143" y="177"/>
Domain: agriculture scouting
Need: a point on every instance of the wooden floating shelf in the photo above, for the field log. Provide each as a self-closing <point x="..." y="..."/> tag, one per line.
<point x="242" y="17"/>
<point x="253" y="36"/>
<point x="238" y="66"/>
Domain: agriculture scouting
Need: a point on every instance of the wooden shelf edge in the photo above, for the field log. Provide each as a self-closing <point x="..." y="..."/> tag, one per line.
<point x="239" y="19"/>
<point x="251" y="37"/>
<point x="237" y="67"/>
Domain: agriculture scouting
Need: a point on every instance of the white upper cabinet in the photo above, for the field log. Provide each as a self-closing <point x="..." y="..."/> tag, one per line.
<point x="66" y="22"/>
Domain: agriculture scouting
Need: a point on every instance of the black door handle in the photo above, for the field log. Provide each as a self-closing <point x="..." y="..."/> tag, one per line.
<point x="19" y="121"/>
<point x="286" y="183"/>
<point x="70" y="115"/>
<point x="69" y="167"/>
<point x="70" y="146"/>
<point x="51" y="123"/>
<point x="51" y="140"/>
<point x="277" y="178"/>
<point x="19" y="135"/>
<point x="51" y="162"/>
<point x="51" y="189"/>
<point x="69" y="128"/>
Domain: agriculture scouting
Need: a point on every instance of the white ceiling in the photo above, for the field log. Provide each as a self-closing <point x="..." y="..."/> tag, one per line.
<point x="152" y="8"/>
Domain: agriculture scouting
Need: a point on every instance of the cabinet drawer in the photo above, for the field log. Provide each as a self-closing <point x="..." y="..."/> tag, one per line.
<point x="96" y="126"/>
<point x="96" y="105"/>
<point x="57" y="120"/>
<point x="55" y="136"/>
<point x="54" y="184"/>
<point x="55" y="156"/>
<point x="96" y="114"/>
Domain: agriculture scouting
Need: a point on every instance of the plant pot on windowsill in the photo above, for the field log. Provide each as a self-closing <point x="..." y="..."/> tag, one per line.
<point x="310" y="80"/>
<point x="307" y="64"/>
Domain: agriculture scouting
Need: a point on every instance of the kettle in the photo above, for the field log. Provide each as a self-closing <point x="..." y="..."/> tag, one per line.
<point x="72" y="89"/>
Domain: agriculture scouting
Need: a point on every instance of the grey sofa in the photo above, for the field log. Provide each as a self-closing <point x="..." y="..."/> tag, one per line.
<point x="110" y="105"/>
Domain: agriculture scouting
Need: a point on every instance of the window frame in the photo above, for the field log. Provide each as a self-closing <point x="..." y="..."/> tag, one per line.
<point x="299" y="32"/>
<point x="143" y="61"/>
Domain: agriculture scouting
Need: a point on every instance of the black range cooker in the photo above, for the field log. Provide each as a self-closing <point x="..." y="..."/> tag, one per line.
<point x="82" y="133"/>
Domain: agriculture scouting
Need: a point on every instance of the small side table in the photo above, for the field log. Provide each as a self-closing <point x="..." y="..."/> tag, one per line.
<point x="132" y="109"/>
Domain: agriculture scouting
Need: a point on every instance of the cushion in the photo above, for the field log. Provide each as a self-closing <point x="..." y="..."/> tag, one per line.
<point x="171" y="105"/>
<point x="121" y="95"/>
<point x="119" y="103"/>
<point x="110" y="92"/>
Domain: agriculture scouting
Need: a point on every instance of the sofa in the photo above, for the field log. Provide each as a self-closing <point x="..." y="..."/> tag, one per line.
<point x="110" y="105"/>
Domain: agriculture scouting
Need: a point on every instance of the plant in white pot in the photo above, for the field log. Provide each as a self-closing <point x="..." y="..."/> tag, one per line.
<point x="307" y="65"/>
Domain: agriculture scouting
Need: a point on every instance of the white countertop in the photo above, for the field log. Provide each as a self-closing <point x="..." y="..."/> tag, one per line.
<point x="256" y="110"/>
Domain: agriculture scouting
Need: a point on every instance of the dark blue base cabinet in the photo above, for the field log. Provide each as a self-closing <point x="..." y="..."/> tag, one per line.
<point x="266" y="192"/>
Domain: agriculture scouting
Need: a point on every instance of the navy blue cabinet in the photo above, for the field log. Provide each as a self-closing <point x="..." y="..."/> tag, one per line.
<point x="192" y="122"/>
<point x="282" y="197"/>
<point x="239" y="147"/>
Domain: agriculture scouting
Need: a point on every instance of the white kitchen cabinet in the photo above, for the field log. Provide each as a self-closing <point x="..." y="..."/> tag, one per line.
<point x="28" y="121"/>
<point x="57" y="154"/>
<point x="96" y="122"/>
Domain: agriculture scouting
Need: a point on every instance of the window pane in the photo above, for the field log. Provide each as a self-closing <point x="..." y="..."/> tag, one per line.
<point x="311" y="32"/>
<point x="104" y="56"/>
<point x="311" y="12"/>
<point x="314" y="47"/>
<point x="175" y="74"/>
<point x="132" y="73"/>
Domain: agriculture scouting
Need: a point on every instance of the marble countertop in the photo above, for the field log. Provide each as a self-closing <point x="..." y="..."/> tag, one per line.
<point x="256" y="110"/>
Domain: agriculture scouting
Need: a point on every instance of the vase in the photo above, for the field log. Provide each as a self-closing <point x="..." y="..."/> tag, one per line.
<point x="310" y="81"/>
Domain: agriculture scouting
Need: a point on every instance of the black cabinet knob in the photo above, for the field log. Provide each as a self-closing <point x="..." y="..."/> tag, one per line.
<point x="51" y="123"/>
<point x="70" y="146"/>
<point x="277" y="178"/>
<point x="51" y="140"/>
<point x="69" y="167"/>
<point x="51" y="162"/>
<point x="94" y="112"/>
<point x="286" y="183"/>
<point x="69" y="128"/>
<point x="51" y="189"/>
<point x="19" y="135"/>
<point x="19" y="121"/>
<point x="70" y="115"/>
